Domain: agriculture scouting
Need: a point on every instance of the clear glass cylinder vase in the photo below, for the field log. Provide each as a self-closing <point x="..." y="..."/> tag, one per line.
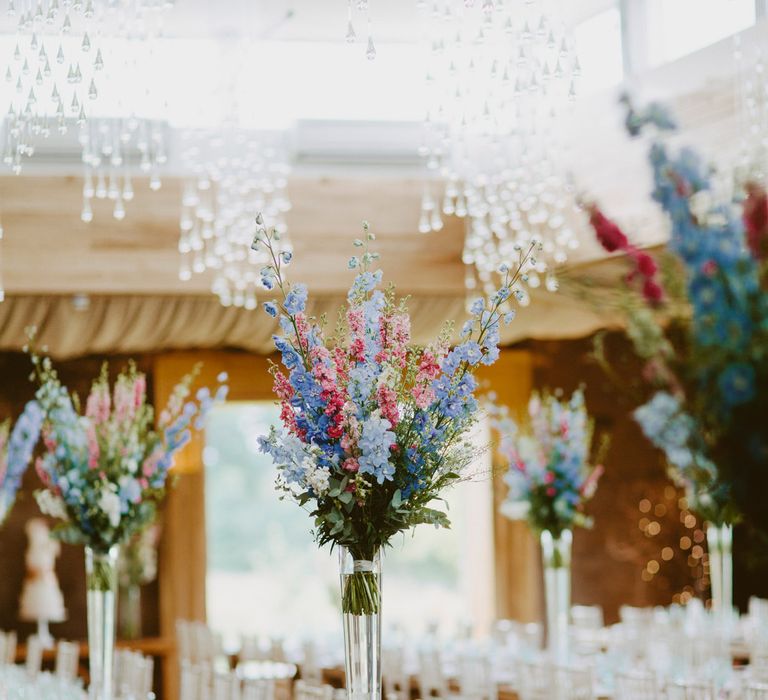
<point x="361" y="617"/>
<point x="101" y="591"/>
<point x="720" y="549"/>
<point x="556" y="560"/>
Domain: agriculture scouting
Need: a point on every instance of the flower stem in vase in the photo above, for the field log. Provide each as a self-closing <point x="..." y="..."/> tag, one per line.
<point x="361" y="616"/>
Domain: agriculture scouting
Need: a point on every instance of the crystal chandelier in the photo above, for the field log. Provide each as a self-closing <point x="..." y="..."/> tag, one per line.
<point x="112" y="150"/>
<point x="117" y="148"/>
<point x="364" y="7"/>
<point x="501" y="74"/>
<point x="58" y="61"/>
<point x="751" y="96"/>
<point x="54" y="68"/>
<point x="234" y="176"/>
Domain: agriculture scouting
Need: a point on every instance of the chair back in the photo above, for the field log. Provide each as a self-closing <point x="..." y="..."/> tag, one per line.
<point x="475" y="675"/>
<point x="184" y="640"/>
<point x="431" y="679"/>
<point x="636" y="686"/>
<point x="691" y="690"/>
<point x="226" y="686"/>
<point x="589" y="617"/>
<point x="258" y="689"/>
<point x="536" y="681"/>
<point x="397" y="683"/>
<point x="310" y="665"/>
<point x="276" y="650"/>
<point x="34" y="662"/>
<point x="10" y="647"/>
<point x="574" y="683"/>
<point x="67" y="660"/>
<point x="756" y="691"/>
<point x="312" y="691"/>
<point x="189" y="686"/>
<point x="250" y="648"/>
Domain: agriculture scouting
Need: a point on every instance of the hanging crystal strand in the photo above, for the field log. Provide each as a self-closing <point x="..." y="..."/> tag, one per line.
<point x="370" y="51"/>
<point x="350" y="37"/>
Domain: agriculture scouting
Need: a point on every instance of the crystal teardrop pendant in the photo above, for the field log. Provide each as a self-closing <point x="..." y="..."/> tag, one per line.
<point x="86" y="214"/>
<point x="60" y="54"/>
<point x="119" y="210"/>
<point x="350" y="37"/>
<point x="92" y="92"/>
<point x="370" y="52"/>
<point x="86" y="44"/>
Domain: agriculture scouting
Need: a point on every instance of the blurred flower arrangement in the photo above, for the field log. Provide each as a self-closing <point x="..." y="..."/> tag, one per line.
<point x="550" y="476"/>
<point x="373" y="430"/>
<point x="105" y="470"/>
<point x="16" y="447"/>
<point x="702" y="332"/>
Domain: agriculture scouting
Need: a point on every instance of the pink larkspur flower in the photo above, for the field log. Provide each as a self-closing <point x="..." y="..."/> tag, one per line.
<point x="93" y="447"/>
<point x="351" y="465"/>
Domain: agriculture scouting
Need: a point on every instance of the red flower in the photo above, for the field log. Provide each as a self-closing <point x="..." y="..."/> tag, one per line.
<point x="652" y="291"/>
<point x="609" y="235"/>
<point x="646" y="265"/>
<point x="755" y="216"/>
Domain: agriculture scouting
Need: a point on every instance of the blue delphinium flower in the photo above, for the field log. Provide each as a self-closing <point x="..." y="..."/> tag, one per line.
<point x="271" y="308"/>
<point x="365" y="282"/>
<point x="296" y="299"/>
<point x="375" y="442"/>
<point x="21" y="443"/>
<point x="737" y="383"/>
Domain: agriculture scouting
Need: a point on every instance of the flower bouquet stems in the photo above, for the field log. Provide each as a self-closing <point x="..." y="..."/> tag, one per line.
<point x="361" y="618"/>
<point x="101" y="598"/>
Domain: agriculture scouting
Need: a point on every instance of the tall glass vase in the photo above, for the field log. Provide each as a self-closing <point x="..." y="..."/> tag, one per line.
<point x="556" y="560"/>
<point x="720" y="546"/>
<point x="361" y="616"/>
<point x="129" y="612"/>
<point x="101" y="586"/>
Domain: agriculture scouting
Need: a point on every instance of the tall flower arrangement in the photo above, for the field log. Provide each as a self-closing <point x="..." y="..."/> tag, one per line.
<point x="104" y="470"/>
<point x="550" y="474"/>
<point x="704" y="335"/>
<point x="373" y="429"/>
<point x="16" y="447"/>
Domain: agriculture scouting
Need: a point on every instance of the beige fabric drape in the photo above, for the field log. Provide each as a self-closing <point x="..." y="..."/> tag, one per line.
<point x="141" y="324"/>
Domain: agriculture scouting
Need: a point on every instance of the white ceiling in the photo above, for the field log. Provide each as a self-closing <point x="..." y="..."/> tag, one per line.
<point x="324" y="20"/>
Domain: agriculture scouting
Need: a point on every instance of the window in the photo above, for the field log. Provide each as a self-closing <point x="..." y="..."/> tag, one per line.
<point x="267" y="576"/>
<point x="676" y="28"/>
